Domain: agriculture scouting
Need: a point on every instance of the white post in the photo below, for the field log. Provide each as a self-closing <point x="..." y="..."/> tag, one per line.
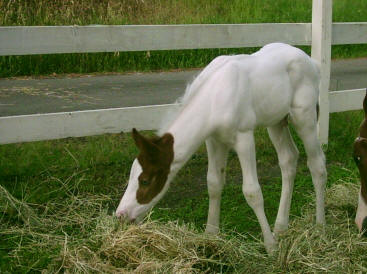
<point x="321" y="51"/>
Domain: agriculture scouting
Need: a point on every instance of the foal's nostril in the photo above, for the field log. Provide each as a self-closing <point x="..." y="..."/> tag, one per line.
<point x="364" y="227"/>
<point x="121" y="214"/>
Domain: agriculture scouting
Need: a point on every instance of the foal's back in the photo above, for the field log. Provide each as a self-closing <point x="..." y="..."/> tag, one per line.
<point x="259" y="89"/>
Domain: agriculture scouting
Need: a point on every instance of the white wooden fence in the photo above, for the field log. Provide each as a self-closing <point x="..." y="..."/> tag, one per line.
<point x="320" y="34"/>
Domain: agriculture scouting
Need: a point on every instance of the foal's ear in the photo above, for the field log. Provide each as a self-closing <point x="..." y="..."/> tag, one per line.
<point x="143" y="143"/>
<point x="166" y="140"/>
<point x="138" y="138"/>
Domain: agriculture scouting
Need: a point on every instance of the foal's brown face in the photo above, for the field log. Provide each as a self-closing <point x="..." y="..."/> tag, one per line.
<point x="155" y="158"/>
<point x="149" y="176"/>
<point x="360" y="157"/>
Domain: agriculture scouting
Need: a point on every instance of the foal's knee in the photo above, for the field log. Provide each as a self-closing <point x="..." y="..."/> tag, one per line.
<point x="253" y="195"/>
<point x="288" y="161"/>
<point x="317" y="167"/>
<point x="215" y="185"/>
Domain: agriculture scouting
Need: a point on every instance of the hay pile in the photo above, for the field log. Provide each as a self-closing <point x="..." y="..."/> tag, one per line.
<point x="337" y="248"/>
<point x="82" y="237"/>
<point x="157" y="248"/>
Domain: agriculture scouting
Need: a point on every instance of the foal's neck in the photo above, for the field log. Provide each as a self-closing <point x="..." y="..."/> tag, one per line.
<point x="189" y="130"/>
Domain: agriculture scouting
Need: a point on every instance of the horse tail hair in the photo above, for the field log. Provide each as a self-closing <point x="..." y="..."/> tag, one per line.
<point x="317" y="110"/>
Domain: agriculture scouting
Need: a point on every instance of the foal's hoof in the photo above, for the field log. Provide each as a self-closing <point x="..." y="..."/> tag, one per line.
<point x="271" y="247"/>
<point x="210" y="229"/>
<point x="279" y="230"/>
<point x="271" y="250"/>
<point x="321" y="220"/>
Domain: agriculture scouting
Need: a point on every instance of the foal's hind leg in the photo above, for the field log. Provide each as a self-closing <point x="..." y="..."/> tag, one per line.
<point x="217" y="160"/>
<point x="305" y="122"/>
<point x="287" y="157"/>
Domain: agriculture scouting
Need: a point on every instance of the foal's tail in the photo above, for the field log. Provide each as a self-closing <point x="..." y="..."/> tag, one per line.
<point x="317" y="66"/>
<point x="318" y="110"/>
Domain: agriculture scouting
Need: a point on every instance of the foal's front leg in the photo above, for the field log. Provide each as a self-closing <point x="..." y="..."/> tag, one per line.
<point x="217" y="160"/>
<point x="245" y="148"/>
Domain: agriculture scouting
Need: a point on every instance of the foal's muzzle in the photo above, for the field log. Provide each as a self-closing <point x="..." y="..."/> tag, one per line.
<point x="122" y="215"/>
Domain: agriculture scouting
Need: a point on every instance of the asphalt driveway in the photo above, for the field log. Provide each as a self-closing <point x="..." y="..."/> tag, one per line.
<point x="71" y="93"/>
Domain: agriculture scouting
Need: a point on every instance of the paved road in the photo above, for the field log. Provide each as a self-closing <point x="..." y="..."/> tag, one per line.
<point x="30" y="96"/>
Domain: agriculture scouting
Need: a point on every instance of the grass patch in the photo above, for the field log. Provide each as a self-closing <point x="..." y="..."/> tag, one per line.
<point x="114" y="12"/>
<point x="110" y="246"/>
<point x="58" y="198"/>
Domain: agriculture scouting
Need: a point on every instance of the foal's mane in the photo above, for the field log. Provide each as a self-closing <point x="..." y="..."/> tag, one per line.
<point x="192" y="89"/>
<point x="171" y="115"/>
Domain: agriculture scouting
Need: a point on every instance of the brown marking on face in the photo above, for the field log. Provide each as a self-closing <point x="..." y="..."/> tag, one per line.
<point x="155" y="158"/>
<point x="360" y="152"/>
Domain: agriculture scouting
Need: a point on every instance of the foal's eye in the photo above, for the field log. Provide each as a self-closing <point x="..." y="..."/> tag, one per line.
<point x="144" y="182"/>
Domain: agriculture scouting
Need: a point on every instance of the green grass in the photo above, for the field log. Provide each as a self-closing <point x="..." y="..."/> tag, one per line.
<point x="85" y="12"/>
<point x="71" y="187"/>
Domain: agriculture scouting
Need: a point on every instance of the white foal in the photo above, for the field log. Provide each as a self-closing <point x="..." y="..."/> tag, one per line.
<point x="224" y="104"/>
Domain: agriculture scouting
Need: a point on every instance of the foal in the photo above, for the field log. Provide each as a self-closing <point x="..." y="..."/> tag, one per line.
<point x="224" y="104"/>
<point x="360" y="157"/>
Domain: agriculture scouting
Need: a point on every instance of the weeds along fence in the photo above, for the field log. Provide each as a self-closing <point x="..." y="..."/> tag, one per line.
<point x="321" y="34"/>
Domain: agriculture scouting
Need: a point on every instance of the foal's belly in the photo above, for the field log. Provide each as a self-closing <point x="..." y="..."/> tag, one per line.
<point x="271" y="100"/>
<point x="272" y="115"/>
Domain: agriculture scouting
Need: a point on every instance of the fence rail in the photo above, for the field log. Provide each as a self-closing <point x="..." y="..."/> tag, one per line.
<point x="344" y="100"/>
<point x="77" y="39"/>
<point x="97" y="38"/>
<point x="320" y="34"/>
<point x="38" y="127"/>
<point x="349" y="33"/>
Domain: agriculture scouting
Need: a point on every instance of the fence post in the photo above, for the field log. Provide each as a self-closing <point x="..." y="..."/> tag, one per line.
<point x="321" y="51"/>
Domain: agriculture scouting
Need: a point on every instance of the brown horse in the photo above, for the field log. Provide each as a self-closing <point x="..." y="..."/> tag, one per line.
<point x="360" y="157"/>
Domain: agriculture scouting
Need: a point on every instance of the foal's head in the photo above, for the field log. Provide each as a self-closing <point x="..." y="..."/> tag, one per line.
<point x="360" y="157"/>
<point x="149" y="176"/>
